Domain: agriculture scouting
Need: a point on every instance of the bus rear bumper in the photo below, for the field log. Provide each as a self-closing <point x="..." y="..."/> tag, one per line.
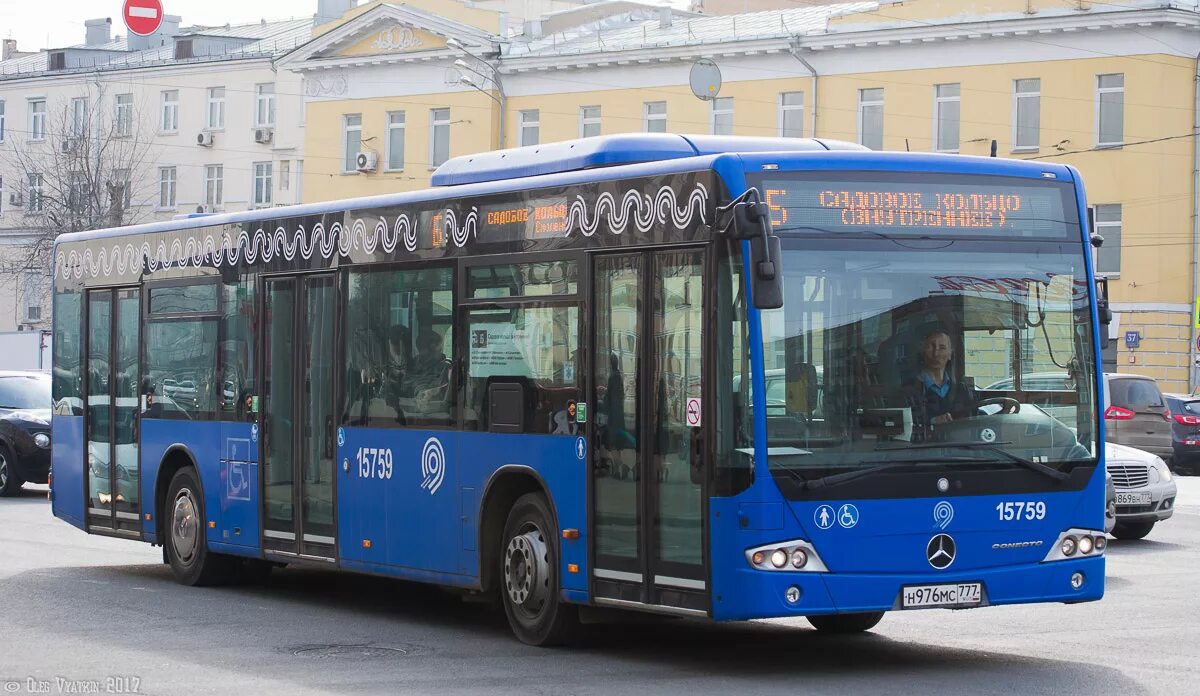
<point x="758" y="594"/>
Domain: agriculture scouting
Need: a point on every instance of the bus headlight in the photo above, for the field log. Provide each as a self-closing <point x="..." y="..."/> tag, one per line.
<point x="1074" y="543"/>
<point x="1085" y="544"/>
<point x="787" y="556"/>
<point x="1068" y="546"/>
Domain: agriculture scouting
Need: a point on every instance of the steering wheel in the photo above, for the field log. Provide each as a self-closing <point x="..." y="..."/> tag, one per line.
<point x="1007" y="404"/>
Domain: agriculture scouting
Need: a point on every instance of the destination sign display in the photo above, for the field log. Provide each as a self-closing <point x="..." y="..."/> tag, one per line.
<point x="533" y="219"/>
<point x="917" y="207"/>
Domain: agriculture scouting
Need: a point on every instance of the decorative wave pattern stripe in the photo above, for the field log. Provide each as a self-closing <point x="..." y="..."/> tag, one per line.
<point x="218" y="249"/>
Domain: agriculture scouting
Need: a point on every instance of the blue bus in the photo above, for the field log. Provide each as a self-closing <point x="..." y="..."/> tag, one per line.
<point x="701" y="376"/>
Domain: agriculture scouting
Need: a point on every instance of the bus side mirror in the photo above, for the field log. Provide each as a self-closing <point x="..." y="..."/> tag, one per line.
<point x="752" y="220"/>
<point x="1103" y="311"/>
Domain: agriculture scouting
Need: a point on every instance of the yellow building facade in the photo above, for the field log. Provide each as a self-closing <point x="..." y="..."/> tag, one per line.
<point x="1109" y="89"/>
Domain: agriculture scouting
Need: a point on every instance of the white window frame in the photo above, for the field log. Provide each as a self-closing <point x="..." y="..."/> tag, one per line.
<point x="35" y="187"/>
<point x="1016" y="112"/>
<point x="125" y="177"/>
<point x="123" y="116"/>
<point x="586" y="121"/>
<point x="863" y="104"/>
<point x="714" y="111"/>
<point x="32" y="294"/>
<point x="397" y="122"/>
<point x="1109" y="239"/>
<point x="529" y="120"/>
<point x="79" y="117"/>
<point x="264" y="100"/>
<point x="214" y="114"/>
<point x="435" y="122"/>
<point x="214" y="187"/>
<point x="37" y="119"/>
<point x="1" y="194"/>
<point x="285" y="175"/>
<point x="648" y="118"/>
<point x="938" y="101"/>
<point x="168" y="188"/>
<point x="263" y="183"/>
<point x="3" y="118"/>
<point x="350" y="160"/>
<point x="785" y="109"/>
<point x="1110" y="90"/>
<point x="169" y="111"/>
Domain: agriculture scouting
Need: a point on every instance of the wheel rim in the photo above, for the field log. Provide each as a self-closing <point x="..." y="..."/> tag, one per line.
<point x="3" y="470"/>
<point x="527" y="571"/>
<point x="185" y="527"/>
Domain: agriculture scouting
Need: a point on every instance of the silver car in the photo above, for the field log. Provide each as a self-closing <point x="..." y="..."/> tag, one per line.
<point x="1144" y="487"/>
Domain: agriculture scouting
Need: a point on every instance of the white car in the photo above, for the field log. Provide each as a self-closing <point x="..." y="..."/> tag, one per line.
<point x="1145" y="490"/>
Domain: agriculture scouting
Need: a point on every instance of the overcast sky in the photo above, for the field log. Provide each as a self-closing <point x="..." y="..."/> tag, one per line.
<point x="38" y="24"/>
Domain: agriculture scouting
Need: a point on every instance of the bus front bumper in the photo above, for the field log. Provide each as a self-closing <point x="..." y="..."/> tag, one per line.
<point x="759" y="594"/>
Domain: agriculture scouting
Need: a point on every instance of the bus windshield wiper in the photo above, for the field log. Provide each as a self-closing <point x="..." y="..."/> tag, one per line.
<point x="848" y="476"/>
<point x="993" y="447"/>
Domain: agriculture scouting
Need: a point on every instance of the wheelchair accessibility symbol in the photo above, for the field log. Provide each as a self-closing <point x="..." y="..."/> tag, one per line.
<point x="341" y="437"/>
<point x="847" y="515"/>
<point x="254" y="433"/>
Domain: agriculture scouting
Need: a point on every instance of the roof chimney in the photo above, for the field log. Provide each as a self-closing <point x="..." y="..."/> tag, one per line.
<point x="665" y="17"/>
<point x="9" y="50"/>
<point x="332" y="10"/>
<point x="99" y="31"/>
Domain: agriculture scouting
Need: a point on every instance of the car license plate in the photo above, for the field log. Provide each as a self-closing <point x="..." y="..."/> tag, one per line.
<point x="1134" y="498"/>
<point x="964" y="594"/>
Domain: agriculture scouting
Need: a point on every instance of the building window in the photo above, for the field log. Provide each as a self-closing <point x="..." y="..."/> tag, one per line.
<point x="170" y="111"/>
<point x="589" y="121"/>
<point x="1108" y="225"/>
<point x="870" y="118"/>
<point x="721" y="120"/>
<point x="124" y="115"/>
<point x="1027" y="114"/>
<point x="791" y="114"/>
<point x="395" y="140"/>
<point x="654" y="117"/>
<point x="166" y="188"/>
<point x="263" y="185"/>
<point x="1110" y="110"/>
<point x="79" y="117"/>
<point x="1" y="195"/>
<point x="264" y="105"/>
<point x="122" y="178"/>
<point x="1" y="120"/>
<point x="285" y="174"/>
<point x="351" y="141"/>
<point x="35" y="193"/>
<point x="32" y="291"/>
<point x="530" y="127"/>
<point x="77" y="192"/>
<point x="946" y="117"/>
<point x="214" y="187"/>
<point x="216" y="108"/>
<point x="37" y="119"/>
<point x="439" y="137"/>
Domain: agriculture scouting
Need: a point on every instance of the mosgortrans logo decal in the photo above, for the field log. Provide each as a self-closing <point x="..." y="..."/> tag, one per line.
<point x="433" y="465"/>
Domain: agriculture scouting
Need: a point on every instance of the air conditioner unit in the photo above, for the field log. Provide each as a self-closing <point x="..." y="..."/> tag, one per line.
<point x="204" y="139"/>
<point x="366" y="161"/>
<point x="16" y="199"/>
<point x="67" y="145"/>
<point x="263" y="135"/>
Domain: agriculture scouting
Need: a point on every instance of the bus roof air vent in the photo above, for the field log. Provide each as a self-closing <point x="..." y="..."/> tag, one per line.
<point x="609" y="151"/>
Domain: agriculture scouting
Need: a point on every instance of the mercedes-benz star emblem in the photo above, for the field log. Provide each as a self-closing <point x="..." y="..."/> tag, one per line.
<point x="940" y="551"/>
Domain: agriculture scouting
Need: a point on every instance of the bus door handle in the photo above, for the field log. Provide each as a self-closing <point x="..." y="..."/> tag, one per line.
<point x="329" y="437"/>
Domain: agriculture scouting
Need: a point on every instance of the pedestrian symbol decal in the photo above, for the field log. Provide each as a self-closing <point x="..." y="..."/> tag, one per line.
<point x="693" y="413"/>
<point x="823" y="517"/>
<point x="580" y="448"/>
<point x="847" y="515"/>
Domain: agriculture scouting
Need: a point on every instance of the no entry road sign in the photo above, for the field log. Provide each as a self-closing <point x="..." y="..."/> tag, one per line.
<point x="143" y="17"/>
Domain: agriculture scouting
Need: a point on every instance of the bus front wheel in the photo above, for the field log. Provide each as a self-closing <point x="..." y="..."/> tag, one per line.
<point x="185" y="540"/>
<point x="529" y="576"/>
<point x="846" y="623"/>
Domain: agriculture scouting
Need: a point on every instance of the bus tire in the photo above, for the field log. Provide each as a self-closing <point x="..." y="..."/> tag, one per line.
<point x="10" y="483"/>
<point x="185" y="540"/>
<point x="1132" y="530"/>
<point x="846" y="623"/>
<point x="529" y="576"/>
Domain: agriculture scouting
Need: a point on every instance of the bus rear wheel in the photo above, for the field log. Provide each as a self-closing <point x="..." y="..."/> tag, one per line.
<point x="846" y="623"/>
<point x="529" y="576"/>
<point x="184" y="539"/>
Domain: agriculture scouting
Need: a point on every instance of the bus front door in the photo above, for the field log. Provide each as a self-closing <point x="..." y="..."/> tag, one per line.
<point x="647" y="431"/>
<point x="296" y="419"/>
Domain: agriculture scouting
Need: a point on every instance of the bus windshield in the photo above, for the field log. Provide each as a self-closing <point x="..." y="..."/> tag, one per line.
<point x="912" y="332"/>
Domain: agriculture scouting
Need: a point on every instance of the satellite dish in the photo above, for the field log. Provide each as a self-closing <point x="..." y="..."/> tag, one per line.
<point x="705" y="79"/>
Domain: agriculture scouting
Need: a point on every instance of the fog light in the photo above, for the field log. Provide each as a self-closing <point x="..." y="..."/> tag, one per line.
<point x="1166" y="504"/>
<point x="758" y="558"/>
<point x="779" y="558"/>
<point x="1085" y="545"/>
<point x="1077" y="580"/>
<point x="799" y="558"/>
<point x="1068" y="546"/>
<point x="792" y="595"/>
<point x="42" y="440"/>
<point x="1101" y="543"/>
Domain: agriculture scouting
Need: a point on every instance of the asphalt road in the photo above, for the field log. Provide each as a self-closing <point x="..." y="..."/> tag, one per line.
<point x="104" y="614"/>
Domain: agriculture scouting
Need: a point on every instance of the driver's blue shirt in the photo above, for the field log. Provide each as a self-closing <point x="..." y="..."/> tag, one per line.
<point x="931" y="400"/>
